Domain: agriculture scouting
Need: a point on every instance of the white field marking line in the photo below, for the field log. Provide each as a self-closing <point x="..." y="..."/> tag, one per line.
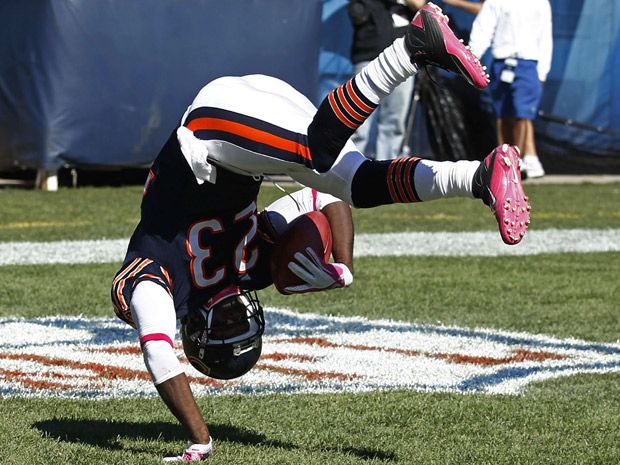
<point x="446" y="244"/>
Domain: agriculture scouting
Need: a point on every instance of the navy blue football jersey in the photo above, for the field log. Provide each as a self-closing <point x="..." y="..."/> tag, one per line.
<point x="204" y="236"/>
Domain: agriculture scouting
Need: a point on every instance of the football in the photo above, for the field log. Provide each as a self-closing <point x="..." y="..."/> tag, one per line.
<point x="309" y="230"/>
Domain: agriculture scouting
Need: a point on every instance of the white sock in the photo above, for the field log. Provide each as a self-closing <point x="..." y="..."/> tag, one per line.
<point x="437" y="179"/>
<point x="383" y="74"/>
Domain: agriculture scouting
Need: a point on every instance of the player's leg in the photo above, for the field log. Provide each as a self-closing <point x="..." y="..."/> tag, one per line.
<point x="531" y="163"/>
<point x="429" y="40"/>
<point x="496" y="181"/>
<point x="527" y="96"/>
<point x="519" y="132"/>
<point x="391" y="121"/>
<point x="362" y="134"/>
<point x="248" y="131"/>
<point x="529" y="146"/>
<point x="502" y="101"/>
<point x="368" y="183"/>
<point x="505" y="130"/>
<point x="347" y="107"/>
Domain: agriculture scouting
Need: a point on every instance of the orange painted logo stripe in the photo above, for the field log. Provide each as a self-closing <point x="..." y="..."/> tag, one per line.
<point x="101" y="371"/>
<point x="311" y="375"/>
<point x="518" y="354"/>
<point x="250" y="133"/>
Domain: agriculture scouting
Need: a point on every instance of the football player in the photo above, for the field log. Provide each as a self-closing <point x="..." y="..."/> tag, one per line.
<point x="198" y="244"/>
<point x="222" y="323"/>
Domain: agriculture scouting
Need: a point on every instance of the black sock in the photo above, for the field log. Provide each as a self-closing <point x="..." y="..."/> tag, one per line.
<point x="384" y="182"/>
<point x="339" y="115"/>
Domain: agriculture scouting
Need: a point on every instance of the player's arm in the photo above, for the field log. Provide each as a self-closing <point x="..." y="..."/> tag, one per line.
<point x="282" y="212"/>
<point x="315" y="273"/>
<point x="341" y="223"/>
<point x="177" y="395"/>
<point x="153" y="313"/>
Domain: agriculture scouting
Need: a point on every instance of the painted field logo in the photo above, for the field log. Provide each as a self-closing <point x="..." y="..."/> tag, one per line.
<point x="72" y="357"/>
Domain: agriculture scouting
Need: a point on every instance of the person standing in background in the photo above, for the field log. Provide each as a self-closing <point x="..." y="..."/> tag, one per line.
<point x="531" y="164"/>
<point x="377" y="23"/>
<point x="519" y="33"/>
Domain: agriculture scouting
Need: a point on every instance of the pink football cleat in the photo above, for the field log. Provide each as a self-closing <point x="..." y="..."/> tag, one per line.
<point x="498" y="183"/>
<point x="430" y="41"/>
<point x="194" y="453"/>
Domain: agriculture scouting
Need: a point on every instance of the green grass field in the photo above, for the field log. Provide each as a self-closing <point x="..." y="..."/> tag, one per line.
<point x="571" y="420"/>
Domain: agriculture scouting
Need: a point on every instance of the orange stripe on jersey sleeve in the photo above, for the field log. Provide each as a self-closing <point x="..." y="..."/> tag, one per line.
<point x="248" y="132"/>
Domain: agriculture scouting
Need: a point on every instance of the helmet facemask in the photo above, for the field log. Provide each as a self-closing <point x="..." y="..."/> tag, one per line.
<point x="222" y="339"/>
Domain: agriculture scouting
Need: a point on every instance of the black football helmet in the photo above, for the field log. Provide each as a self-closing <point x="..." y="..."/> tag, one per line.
<point x="223" y="338"/>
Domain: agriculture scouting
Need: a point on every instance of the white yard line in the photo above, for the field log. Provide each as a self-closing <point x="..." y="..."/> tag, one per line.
<point x="42" y="253"/>
<point x="390" y="244"/>
<point x="487" y="244"/>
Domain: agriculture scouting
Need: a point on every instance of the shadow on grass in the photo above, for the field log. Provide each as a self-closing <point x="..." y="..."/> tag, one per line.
<point x="106" y="435"/>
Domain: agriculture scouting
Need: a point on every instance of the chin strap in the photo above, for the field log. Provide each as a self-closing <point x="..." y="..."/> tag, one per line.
<point x="194" y="453"/>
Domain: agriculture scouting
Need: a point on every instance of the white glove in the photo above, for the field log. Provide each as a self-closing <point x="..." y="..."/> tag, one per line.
<point x="318" y="275"/>
<point x="195" y="152"/>
<point x="194" y="453"/>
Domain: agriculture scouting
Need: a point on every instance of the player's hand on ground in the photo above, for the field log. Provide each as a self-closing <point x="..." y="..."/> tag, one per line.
<point x="317" y="274"/>
<point x="194" y="453"/>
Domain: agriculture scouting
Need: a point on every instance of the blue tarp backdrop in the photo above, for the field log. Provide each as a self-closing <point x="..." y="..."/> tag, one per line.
<point x="583" y="83"/>
<point x="104" y="82"/>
